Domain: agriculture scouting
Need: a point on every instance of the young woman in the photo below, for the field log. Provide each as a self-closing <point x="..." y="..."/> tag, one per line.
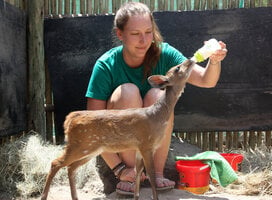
<point x="119" y="81"/>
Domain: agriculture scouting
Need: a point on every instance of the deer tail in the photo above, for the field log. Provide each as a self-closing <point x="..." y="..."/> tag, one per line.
<point x="68" y="122"/>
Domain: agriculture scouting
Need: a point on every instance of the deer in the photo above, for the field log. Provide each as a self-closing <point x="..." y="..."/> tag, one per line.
<point x="89" y="133"/>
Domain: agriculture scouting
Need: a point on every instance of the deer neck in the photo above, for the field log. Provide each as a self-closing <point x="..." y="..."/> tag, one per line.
<point x="163" y="108"/>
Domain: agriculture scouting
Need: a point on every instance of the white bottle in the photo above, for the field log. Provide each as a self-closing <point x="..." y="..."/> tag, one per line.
<point x="206" y="51"/>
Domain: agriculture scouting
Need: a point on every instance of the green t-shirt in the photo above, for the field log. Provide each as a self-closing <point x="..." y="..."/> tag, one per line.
<point x="111" y="71"/>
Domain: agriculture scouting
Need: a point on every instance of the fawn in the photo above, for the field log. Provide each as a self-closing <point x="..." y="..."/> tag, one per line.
<point x="90" y="133"/>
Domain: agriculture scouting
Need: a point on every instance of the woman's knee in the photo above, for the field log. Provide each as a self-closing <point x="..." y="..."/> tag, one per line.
<point x="152" y="96"/>
<point x="125" y="96"/>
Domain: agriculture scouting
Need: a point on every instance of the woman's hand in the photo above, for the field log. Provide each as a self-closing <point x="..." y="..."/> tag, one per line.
<point x="219" y="55"/>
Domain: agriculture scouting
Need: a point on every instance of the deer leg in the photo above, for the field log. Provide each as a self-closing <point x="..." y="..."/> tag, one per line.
<point x="55" y="167"/>
<point x="149" y="166"/>
<point x="72" y="175"/>
<point x="139" y="170"/>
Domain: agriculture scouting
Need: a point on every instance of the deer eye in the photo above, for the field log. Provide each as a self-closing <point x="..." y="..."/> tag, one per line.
<point x="177" y="69"/>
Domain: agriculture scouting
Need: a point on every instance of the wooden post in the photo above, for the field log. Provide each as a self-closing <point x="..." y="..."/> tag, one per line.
<point x="252" y="139"/>
<point x="74" y="5"/>
<point x="22" y="4"/>
<point x="171" y="5"/>
<point x="235" y="138"/>
<point x="205" y="141"/>
<point x="36" y="69"/>
<point x="199" y="139"/>
<point x="252" y="4"/>
<point x="209" y="5"/>
<point x="215" y="4"/>
<point x="82" y="7"/>
<point x="192" y="138"/>
<point x="49" y="106"/>
<point x="228" y="139"/>
<point x="152" y="5"/>
<point x="96" y="7"/>
<point x="246" y="140"/>
<point x="188" y="5"/>
<point x="53" y="7"/>
<point x="268" y="139"/>
<point x="220" y="141"/>
<point x="46" y="7"/>
<point x="246" y="4"/>
<point x="60" y="7"/>
<point x="212" y="145"/>
<point x="90" y="7"/>
<point x="67" y="8"/>
<point x="259" y="138"/>
<point x="197" y="5"/>
<point x="225" y="4"/>
<point x="203" y="4"/>
<point x="180" y="5"/>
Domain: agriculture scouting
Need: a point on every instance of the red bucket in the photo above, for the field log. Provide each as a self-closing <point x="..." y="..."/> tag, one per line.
<point x="234" y="159"/>
<point x="194" y="176"/>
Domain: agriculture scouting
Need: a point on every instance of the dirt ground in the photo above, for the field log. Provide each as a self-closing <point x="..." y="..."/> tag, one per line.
<point x="93" y="189"/>
<point x="63" y="193"/>
<point x="92" y="192"/>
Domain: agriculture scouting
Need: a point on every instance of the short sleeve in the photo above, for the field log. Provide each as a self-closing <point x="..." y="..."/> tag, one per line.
<point x="99" y="86"/>
<point x="176" y="57"/>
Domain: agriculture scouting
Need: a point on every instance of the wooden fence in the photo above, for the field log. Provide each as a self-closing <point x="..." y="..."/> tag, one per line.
<point x="226" y="141"/>
<point x="91" y="7"/>
<point x="218" y="141"/>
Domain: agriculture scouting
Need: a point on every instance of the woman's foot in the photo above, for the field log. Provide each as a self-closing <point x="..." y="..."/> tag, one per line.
<point x="164" y="183"/>
<point x="125" y="188"/>
<point x="128" y="174"/>
<point x="127" y="182"/>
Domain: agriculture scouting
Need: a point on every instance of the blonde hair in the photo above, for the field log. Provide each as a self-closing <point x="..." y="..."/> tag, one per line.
<point x="121" y="18"/>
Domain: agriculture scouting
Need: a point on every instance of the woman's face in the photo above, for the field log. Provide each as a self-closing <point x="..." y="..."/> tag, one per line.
<point x="137" y="36"/>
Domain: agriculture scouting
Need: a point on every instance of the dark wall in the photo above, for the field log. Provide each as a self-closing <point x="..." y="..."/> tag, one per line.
<point x="242" y="100"/>
<point x="12" y="70"/>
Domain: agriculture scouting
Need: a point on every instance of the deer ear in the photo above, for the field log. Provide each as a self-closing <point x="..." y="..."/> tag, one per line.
<point x="158" y="81"/>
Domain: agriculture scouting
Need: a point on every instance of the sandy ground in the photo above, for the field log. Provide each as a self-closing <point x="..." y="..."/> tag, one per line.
<point x="63" y="193"/>
<point x="93" y="190"/>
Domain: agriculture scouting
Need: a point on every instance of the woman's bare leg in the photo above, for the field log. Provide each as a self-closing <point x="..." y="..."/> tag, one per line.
<point x="128" y="96"/>
<point x="125" y="96"/>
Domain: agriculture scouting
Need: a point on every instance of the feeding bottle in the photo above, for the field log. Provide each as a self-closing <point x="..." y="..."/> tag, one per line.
<point x="206" y="51"/>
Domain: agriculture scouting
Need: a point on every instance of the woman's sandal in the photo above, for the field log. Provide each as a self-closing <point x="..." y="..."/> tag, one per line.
<point x="129" y="186"/>
<point x="118" y="169"/>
